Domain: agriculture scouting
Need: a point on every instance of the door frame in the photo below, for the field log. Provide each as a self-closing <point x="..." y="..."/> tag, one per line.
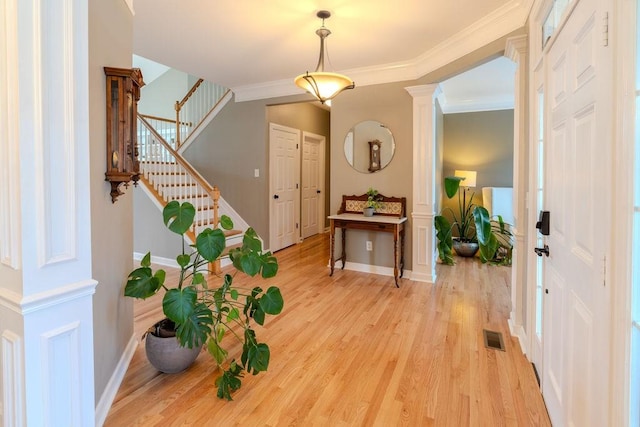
<point x="624" y="34"/>
<point x="321" y="140"/>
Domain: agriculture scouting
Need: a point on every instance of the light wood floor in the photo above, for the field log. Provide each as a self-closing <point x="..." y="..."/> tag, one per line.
<point x="352" y="350"/>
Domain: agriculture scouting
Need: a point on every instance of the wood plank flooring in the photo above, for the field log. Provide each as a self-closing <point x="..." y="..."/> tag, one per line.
<point x="353" y="350"/>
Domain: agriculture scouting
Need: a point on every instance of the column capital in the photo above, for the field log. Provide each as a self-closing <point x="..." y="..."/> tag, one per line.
<point x="432" y="90"/>
<point x="516" y="47"/>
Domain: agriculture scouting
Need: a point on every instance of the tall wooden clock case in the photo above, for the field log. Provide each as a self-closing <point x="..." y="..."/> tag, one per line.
<point x="123" y="94"/>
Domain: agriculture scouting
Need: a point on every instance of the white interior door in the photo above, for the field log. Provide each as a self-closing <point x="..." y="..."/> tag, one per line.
<point x="312" y="184"/>
<point x="284" y="172"/>
<point x="577" y="168"/>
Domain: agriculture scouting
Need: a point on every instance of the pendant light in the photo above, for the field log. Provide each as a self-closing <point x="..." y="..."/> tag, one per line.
<point x="321" y="84"/>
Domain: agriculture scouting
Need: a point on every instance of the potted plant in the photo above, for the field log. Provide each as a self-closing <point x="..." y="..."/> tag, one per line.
<point x="474" y="228"/>
<point x="202" y="313"/>
<point x="372" y="203"/>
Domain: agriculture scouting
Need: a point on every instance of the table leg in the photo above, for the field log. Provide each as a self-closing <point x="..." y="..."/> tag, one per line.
<point x="332" y="239"/>
<point x="395" y="257"/>
<point x="343" y="258"/>
<point x="402" y="251"/>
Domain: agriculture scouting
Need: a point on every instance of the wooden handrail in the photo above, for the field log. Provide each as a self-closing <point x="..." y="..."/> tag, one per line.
<point x="188" y="95"/>
<point x="179" y="159"/>
<point x="162" y="119"/>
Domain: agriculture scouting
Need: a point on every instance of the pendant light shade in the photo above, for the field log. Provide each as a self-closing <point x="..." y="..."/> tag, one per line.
<point x="321" y="84"/>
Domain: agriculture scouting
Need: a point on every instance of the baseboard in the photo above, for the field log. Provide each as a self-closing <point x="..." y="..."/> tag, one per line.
<point x="372" y="269"/>
<point x="106" y="400"/>
<point x="518" y="332"/>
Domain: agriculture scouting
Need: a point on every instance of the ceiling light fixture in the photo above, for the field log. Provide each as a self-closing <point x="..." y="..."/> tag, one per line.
<point x="321" y="84"/>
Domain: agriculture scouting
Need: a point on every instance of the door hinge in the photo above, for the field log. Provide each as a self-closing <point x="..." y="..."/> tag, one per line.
<point x="604" y="271"/>
<point x="605" y="29"/>
<point x="296" y="146"/>
<point x="296" y="225"/>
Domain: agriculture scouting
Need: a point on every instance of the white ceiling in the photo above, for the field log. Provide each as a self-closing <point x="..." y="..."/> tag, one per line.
<point x="257" y="47"/>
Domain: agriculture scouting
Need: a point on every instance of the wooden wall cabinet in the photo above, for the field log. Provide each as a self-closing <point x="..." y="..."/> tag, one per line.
<point x="123" y="94"/>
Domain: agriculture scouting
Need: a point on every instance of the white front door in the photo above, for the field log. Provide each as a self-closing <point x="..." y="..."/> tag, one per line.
<point x="576" y="343"/>
<point x="284" y="171"/>
<point x="312" y="184"/>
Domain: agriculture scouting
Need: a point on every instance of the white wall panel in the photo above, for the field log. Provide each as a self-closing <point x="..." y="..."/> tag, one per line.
<point x="12" y="380"/>
<point x="60" y="361"/>
<point x="9" y="142"/>
<point x="55" y="146"/>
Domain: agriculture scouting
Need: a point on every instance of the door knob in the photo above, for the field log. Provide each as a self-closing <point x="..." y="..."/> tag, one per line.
<point x="275" y="196"/>
<point x="541" y="251"/>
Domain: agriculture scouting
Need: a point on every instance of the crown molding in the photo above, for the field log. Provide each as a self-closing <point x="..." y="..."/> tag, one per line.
<point x="499" y="23"/>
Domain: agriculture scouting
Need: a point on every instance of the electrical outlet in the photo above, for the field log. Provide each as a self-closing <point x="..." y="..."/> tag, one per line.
<point x="369" y="245"/>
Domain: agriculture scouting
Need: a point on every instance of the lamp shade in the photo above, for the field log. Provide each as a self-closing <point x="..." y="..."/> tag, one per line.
<point x="323" y="85"/>
<point x="469" y="178"/>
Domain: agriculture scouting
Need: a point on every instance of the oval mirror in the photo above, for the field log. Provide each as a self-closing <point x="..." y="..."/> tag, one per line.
<point x="369" y="146"/>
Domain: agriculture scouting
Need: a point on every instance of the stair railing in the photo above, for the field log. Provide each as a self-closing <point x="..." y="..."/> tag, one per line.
<point x="201" y="99"/>
<point x="167" y="128"/>
<point x="171" y="177"/>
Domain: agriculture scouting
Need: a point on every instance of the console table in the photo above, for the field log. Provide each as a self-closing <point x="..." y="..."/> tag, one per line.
<point x="390" y="219"/>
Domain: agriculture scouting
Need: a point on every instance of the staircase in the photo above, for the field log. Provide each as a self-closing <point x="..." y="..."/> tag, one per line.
<point x="166" y="175"/>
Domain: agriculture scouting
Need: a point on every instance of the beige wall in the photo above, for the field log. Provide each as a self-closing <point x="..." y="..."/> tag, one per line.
<point x="110" y="44"/>
<point x="391" y="105"/>
<point x="480" y="141"/>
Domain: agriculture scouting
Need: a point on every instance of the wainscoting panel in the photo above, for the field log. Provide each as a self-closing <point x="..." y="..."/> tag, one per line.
<point x="10" y="249"/>
<point x="12" y="409"/>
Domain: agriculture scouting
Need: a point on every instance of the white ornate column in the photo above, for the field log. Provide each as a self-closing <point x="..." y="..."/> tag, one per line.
<point x="46" y="289"/>
<point x="424" y="189"/>
<point x="516" y="50"/>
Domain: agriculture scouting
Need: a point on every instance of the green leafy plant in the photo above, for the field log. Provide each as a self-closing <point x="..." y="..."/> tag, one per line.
<point x="373" y="198"/>
<point x="472" y="223"/>
<point x="206" y="314"/>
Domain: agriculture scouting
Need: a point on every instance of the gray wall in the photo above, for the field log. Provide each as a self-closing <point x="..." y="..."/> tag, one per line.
<point x="309" y="117"/>
<point x="480" y="141"/>
<point x="391" y="105"/>
<point x="227" y="152"/>
<point x="150" y="233"/>
<point x="158" y="98"/>
<point x="110" y="44"/>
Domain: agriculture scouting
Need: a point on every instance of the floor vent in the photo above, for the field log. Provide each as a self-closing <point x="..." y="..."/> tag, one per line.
<point x="493" y="340"/>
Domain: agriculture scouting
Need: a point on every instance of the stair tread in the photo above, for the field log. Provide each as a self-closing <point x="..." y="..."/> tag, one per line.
<point x="229" y="248"/>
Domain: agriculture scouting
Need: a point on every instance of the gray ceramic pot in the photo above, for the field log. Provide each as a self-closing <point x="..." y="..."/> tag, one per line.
<point x="166" y="354"/>
<point x="465" y="249"/>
